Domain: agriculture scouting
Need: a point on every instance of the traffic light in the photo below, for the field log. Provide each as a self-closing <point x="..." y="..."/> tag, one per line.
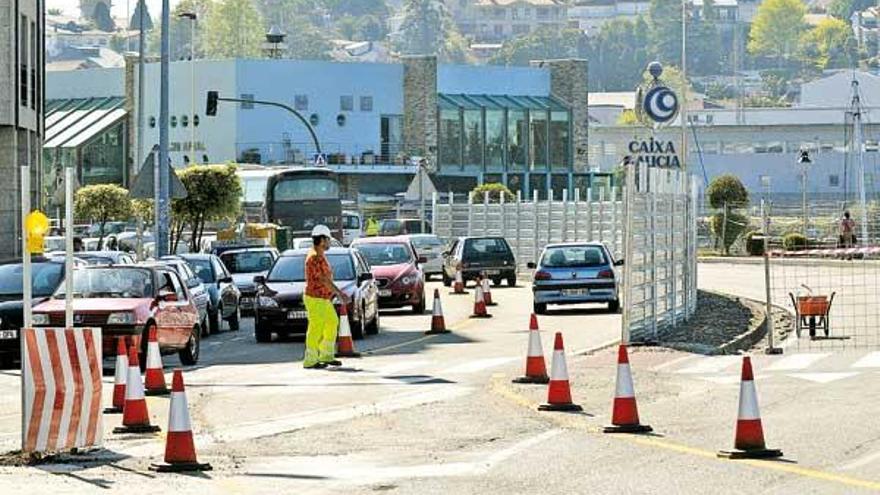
<point x="211" y="108"/>
<point x="36" y="224"/>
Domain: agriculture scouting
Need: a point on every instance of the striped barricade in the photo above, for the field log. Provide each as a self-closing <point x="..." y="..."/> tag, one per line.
<point x="61" y="370"/>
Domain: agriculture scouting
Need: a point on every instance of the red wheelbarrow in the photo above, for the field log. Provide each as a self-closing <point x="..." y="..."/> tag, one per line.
<point x="812" y="312"/>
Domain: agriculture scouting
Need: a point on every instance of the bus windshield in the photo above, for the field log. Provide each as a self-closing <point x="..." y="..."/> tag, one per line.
<point x="305" y="188"/>
<point x="253" y="189"/>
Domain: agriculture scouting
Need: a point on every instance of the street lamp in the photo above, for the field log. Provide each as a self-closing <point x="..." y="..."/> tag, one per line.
<point x="274" y="42"/>
<point x="192" y="16"/>
<point x="804" y="161"/>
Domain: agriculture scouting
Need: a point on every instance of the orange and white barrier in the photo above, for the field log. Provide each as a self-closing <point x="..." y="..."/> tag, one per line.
<point x="559" y="390"/>
<point x="487" y="291"/>
<point x="119" y="378"/>
<point x="625" y="414"/>
<point x="135" y="417"/>
<point x="438" y="323"/>
<point x="61" y="369"/>
<point x="154" y="378"/>
<point x="180" y="450"/>
<point x="458" y="285"/>
<point x="479" y="304"/>
<point x="344" y="341"/>
<point x="749" y="441"/>
<point x="536" y="369"/>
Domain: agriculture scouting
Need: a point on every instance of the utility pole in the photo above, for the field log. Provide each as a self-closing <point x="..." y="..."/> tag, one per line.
<point x="162" y="173"/>
<point x="857" y="146"/>
<point x="139" y="149"/>
<point x="684" y="93"/>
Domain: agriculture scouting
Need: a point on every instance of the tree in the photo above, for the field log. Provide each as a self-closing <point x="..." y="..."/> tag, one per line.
<point x="705" y="51"/>
<point x="727" y="189"/>
<point x="776" y="30"/>
<point x="103" y="19"/>
<point x="664" y="26"/>
<point x="134" y="23"/>
<point x="844" y="9"/>
<point x="541" y="44"/>
<point x="618" y="55"/>
<point x="213" y="193"/>
<point x="306" y="42"/>
<point x="495" y="191"/>
<point x="370" y="28"/>
<point x="102" y="203"/>
<point x="428" y="29"/>
<point x="829" y="45"/>
<point x="357" y="8"/>
<point x="233" y="29"/>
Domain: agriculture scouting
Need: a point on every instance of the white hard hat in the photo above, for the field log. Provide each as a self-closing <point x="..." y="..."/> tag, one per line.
<point x="321" y="230"/>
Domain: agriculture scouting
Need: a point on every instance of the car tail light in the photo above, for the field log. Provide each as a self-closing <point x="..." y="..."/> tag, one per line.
<point x="542" y="275"/>
<point x="606" y="274"/>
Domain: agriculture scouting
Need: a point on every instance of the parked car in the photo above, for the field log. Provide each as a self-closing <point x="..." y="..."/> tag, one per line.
<point x="395" y="266"/>
<point x="126" y="301"/>
<point x="574" y="273"/>
<point x="430" y="247"/>
<point x="46" y="275"/>
<point x="489" y="256"/>
<point x="352" y="227"/>
<point x="280" y="308"/>
<point x="106" y="257"/>
<point x="223" y="293"/>
<point x="306" y="243"/>
<point x="403" y="226"/>
<point x="196" y="288"/>
<point x="245" y="264"/>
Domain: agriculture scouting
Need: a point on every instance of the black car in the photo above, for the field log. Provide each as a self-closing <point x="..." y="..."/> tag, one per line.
<point x="280" y="307"/>
<point x="46" y="277"/>
<point x="245" y="264"/>
<point x="223" y="293"/>
<point x="489" y="256"/>
<point x="402" y="226"/>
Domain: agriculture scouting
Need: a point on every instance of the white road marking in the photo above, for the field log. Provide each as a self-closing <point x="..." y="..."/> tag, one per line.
<point x="796" y="362"/>
<point x="394" y="368"/>
<point x="711" y="364"/>
<point x="673" y="362"/>
<point x="861" y="461"/>
<point x="478" y="365"/>
<point x="823" y="377"/>
<point x="871" y="360"/>
<point x="728" y="379"/>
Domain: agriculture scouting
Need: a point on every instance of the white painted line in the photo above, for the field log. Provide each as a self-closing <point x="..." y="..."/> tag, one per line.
<point x="478" y="365"/>
<point x="796" y="362"/>
<point x="711" y="364"/>
<point x="823" y="377"/>
<point x="673" y="362"/>
<point x="862" y="461"/>
<point x="394" y="368"/>
<point x="728" y="379"/>
<point x="503" y="455"/>
<point x="871" y="360"/>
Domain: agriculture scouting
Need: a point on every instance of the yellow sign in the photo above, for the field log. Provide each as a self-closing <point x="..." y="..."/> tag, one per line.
<point x="36" y="224"/>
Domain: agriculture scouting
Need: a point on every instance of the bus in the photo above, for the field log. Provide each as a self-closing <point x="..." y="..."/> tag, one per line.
<point x="300" y="198"/>
<point x="253" y="188"/>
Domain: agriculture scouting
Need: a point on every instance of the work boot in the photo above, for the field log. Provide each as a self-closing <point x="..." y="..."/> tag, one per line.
<point x="332" y="363"/>
<point x="316" y="366"/>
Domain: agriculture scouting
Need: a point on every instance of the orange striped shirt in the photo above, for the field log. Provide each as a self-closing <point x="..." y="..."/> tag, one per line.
<point x="317" y="268"/>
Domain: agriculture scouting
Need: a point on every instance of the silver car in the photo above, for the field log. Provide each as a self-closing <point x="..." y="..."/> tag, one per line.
<point x="431" y="247"/>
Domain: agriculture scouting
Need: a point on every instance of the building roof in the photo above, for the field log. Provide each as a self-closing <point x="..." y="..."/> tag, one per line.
<point x="498" y="102"/>
<point x="836" y="90"/>
<point x="70" y="123"/>
<point x="505" y="3"/>
<point x="624" y="99"/>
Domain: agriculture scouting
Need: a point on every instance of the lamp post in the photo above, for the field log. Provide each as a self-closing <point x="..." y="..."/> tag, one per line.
<point x="804" y="161"/>
<point x="192" y="16"/>
<point x="274" y="42"/>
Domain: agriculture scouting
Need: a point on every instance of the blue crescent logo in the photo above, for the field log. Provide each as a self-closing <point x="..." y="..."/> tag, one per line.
<point x="660" y="104"/>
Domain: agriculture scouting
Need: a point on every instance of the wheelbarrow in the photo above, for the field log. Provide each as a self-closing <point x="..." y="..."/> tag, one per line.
<point x="812" y="312"/>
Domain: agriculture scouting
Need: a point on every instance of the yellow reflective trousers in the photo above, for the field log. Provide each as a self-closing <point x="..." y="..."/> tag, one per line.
<point x="321" y="333"/>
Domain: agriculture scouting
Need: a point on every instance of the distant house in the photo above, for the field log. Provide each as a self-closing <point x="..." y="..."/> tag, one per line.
<point x="487" y="21"/>
<point x="866" y="28"/>
<point x="590" y="15"/>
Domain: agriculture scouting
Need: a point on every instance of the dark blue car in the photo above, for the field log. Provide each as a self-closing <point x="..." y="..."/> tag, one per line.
<point x="224" y="295"/>
<point x="575" y="273"/>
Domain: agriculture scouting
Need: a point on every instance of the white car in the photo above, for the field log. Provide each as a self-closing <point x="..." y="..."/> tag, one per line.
<point x="431" y="247"/>
<point x="352" y="227"/>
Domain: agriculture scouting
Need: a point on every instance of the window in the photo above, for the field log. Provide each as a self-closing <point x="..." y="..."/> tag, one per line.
<point x="473" y="137"/>
<point x="314" y="119"/>
<point x="346" y="103"/>
<point x="195" y="120"/>
<point x="450" y="138"/>
<point x="499" y="30"/>
<point x="833" y="180"/>
<point x="152" y="121"/>
<point x="517" y="139"/>
<point x="340" y="120"/>
<point x="519" y="29"/>
<point x="33" y="65"/>
<point x="174" y="121"/>
<point x="559" y="140"/>
<point x="494" y="138"/>
<point x="542" y="12"/>
<point x="22" y="61"/>
<point x="366" y="103"/>
<point x="184" y="120"/>
<point x="246" y="105"/>
<point x="301" y="102"/>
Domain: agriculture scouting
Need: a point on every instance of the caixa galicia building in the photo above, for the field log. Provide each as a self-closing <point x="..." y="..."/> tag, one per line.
<point x="525" y="127"/>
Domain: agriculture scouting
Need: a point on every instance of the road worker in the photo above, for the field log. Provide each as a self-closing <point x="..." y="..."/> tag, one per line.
<point x="320" y="290"/>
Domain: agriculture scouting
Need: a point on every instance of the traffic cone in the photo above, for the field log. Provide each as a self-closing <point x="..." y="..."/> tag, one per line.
<point x="487" y="292"/>
<point x="559" y="391"/>
<point x="344" y="342"/>
<point x="749" y="442"/>
<point x="154" y="378"/>
<point x="479" y="304"/>
<point x="119" y="378"/>
<point x="625" y="414"/>
<point x="180" y="450"/>
<point x="135" y="418"/>
<point x="458" y="285"/>
<point x="438" y="324"/>
<point x="536" y="370"/>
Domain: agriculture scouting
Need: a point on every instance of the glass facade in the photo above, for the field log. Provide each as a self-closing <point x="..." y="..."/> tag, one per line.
<point x="450" y="138"/>
<point x="517" y="139"/>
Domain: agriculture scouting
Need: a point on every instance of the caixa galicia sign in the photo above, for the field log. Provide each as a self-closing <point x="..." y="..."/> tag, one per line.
<point x="656" y="104"/>
<point x="653" y="153"/>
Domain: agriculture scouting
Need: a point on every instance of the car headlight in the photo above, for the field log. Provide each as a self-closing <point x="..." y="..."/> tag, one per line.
<point x="40" y="319"/>
<point x="125" y="318"/>
<point x="267" y="302"/>
<point x="407" y="280"/>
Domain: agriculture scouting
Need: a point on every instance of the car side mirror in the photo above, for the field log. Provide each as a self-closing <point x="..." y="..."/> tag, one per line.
<point x="422" y="260"/>
<point x="618" y="262"/>
<point x="167" y="296"/>
<point x="193" y="283"/>
<point x="363" y="277"/>
<point x="225" y="280"/>
<point x="260" y="279"/>
<point x="532" y="265"/>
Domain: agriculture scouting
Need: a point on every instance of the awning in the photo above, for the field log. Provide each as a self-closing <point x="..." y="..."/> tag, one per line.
<point x="450" y="101"/>
<point x="73" y="122"/>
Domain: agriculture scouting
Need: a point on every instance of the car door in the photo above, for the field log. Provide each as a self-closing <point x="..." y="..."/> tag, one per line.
<point x="228" y="293"/>
<point x="449" y="259"/>
<point x="368" y="290"/>
<point x="182" y="314"/>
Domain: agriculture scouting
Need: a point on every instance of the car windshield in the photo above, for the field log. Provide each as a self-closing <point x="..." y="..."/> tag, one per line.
<point x="248" y="261"/>
<point x="292" y="268"/>
<point x="574" y="257"/>
<point x="202" y="269"/>
<point x="385" y="254"/>
<point x="254" y="189"/>
<point x="306" y="188"/>
<point x="485" y="248"/>
<point x="351" y="222"/>
<point x="110" y="282"/>
<point x="427" y="242"/>
<point x="95" y="260"/>
<point x="53" y="244"/>
<point x="45" y="277"/>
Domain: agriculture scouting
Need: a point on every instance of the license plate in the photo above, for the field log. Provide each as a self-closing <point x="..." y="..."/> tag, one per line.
<point x="384" y="293"/>
<point x="297" y="315"/>
<point x="247" y="300"/>
<point x="493" y="272"/>
<point x="575" y="292"/>
<point x="8" y="334"/>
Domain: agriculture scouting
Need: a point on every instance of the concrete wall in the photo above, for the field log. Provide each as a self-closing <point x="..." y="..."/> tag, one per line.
<point x="420" y="104"/>
<point x="493" y="80"/>
<point x="568" y="82"/>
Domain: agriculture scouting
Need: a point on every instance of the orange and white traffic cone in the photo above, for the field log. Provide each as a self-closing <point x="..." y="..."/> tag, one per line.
<point x="135" y="417"/>
<point x="479" y="304"/>
<point x="536" y="370"/>
<point x="438" y="324"/>
<point x="559" y="390"/>
<point x="344" y="341"/>
<point x="180" y="450"/>
<point x="154" y="378"/>
<point x="625" y="414"/>
<point x="749" y="442"/>
<point x="458" y="285"/>
<point x="487" y="292"/>
<point x="119" y="378"/>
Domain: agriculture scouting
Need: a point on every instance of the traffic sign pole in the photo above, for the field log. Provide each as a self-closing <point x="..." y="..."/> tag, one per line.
<point x="69" y="172"/>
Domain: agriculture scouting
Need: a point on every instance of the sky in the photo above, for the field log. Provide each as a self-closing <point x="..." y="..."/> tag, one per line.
<point x="71" y="7"/>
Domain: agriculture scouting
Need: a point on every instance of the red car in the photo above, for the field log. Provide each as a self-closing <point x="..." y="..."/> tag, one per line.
<point x="396" y="268"/>
<point x="126" y="300"/>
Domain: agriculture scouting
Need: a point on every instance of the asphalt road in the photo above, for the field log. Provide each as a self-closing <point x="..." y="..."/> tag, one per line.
<point x="438" y="414"/>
